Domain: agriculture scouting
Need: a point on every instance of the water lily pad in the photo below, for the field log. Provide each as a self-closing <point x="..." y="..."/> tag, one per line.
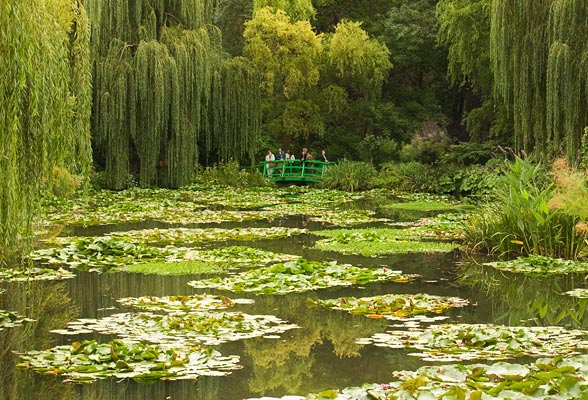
<point x="491" y="342"/>
<point x="373" y="242"/>
<point x="182" y="303"/>
<point x="89" y="361"/>
<point x="182" y="329"/>
<point x="34" y="274"/>
<point x="581" y="293"/>
<point x="540" y="265"/>
<point x="300" y="276"/>
<point x="557" y="378"/>
<point x="393" y="306"/>
<point x="9" y="319"/>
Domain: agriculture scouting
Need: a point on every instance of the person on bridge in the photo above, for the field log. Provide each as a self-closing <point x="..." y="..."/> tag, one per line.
<point x="305" y="155"/>
<point x="269" y="158"/>
<point x="280" y="155"/>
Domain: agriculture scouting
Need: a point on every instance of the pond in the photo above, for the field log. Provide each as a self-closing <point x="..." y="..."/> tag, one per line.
<point x="328" y="349"/>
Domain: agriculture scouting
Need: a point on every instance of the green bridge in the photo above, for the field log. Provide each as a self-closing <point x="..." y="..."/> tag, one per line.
<point x="295" y="171"/>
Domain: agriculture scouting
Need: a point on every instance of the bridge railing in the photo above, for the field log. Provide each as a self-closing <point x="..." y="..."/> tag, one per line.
<point x="292" y="169"/>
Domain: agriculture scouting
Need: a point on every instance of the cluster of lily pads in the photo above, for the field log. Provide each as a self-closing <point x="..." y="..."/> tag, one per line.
<point x="393" y="306"/>
<point x="379" y="241"/>
<point x="547" y="378"/>
<point x="34" y="274"/>
<point x="540" y="265"/>
<point x="89" y="361"/>
<point x="181" y="328"/>
<point x="299" y="276"/>
<point x="187" y="206"/>
<point x="460" y="342"/>
<point x="182" y="303"/>
<point x="9" y="319"/>
<point x="106" y="252"/>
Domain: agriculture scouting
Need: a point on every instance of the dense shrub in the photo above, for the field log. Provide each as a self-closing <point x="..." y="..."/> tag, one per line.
<point x="63" y="183"/>
<point x="229" y="174"/>
<point x="404" y="176"/>
<point x="348" y="175"/>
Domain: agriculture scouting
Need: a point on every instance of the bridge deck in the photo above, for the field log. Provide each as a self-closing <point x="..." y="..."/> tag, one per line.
<point x="295" y="171"/>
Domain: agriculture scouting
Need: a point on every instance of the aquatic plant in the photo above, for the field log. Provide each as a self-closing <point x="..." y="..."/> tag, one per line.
<point x="181" y="329"/>
<point x="182" y="303"/>
<point x="88" y="361"/>
<point x="34" y="274"/>
<point x="379" y="241"/>
<point x="457" y="342"/>
<point x="350" y="176"/>
<point x="9" y="319"/>
<point x="559" y="377"/>
<point x="520" y="221"/>
<point x="299" y="276"/>
<point x="393" y="306"/>
<point x="540" y="265"/>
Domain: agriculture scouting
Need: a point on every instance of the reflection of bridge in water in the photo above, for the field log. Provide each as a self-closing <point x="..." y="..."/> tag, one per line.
<point x="295" y="171"/>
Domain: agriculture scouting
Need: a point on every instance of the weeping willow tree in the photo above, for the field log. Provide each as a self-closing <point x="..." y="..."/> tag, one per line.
<point x="164" y="94"/>
<point x="46" y="99"/>
<point x="539" y="57"/>
<point x="567" y="74"/>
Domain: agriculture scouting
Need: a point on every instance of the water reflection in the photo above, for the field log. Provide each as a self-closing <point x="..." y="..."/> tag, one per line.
<point x="51" y="307"/>
<point x="529" y="300"/>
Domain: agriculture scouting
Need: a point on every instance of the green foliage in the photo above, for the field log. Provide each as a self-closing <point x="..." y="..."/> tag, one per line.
<point x="164" y="95"/>
<point x="45" y="100"/>
<point x="427" y="147"/>
<point x="297" y="10"/>
<point x="63" y="182"/>
<point x="540" y="265"/>
<point x="230" y="174"/>
<point x="285" y="53"/>
<point x="520" y="220"/>
<point x="348" y="175"/>
<point x="403" y="176"/>
<point x="88" y="361"/>
<point x="393" y="306"/>
<point x="300" y="276"/>
<point x="360" y="63"/>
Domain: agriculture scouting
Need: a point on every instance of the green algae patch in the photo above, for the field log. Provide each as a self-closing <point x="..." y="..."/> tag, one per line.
<point x="462" y="342"/>
<point x="379" y="241"/>
<point x="299" y="276"/>
<point x="393" y="306"/>
<point x="182" y="329"/>
<point x="182" y="303"/>
<point x="88" y="361"/>
<point x="34" y="274"/>
<point x="540" y="265"/>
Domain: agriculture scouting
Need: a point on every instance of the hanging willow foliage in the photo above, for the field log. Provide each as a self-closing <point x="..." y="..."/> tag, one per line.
<point x="567" y="74"/>
<point x="163" y="96"/>
<point x="518" y="50"/>
<point x="539" y="51"/>
<point x="45" y="107"/>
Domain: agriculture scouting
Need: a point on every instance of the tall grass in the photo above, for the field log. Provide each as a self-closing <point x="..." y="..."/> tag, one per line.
<point x="520" y="220"/>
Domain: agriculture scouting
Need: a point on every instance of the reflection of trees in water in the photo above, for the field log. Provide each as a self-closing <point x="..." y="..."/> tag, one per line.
<point x="288" y="364"/>
<point x="111" y="389"/>
<point x="49" y="304"/>
<point x="529" y="300"/>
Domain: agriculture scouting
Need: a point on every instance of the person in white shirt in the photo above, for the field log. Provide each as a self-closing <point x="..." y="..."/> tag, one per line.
<point x="269" y="157"/>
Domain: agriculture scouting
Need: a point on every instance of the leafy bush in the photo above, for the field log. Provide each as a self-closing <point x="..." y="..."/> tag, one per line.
<point x="230" y="174"/>
<point x="520" y="220"/>
<point x="404" y="176"/>
<point x="63" y="182"/>
<point x="348" y="175"/>
<point x="426" y="148"/>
